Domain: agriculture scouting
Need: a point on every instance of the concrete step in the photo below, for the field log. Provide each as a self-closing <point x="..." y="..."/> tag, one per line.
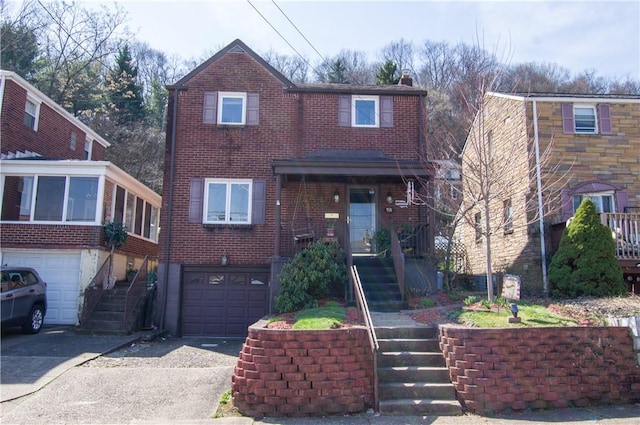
<point x="410" y="358"/>
<point x="412" y="332"/>
<point x="409" y="344"/>
<point x="433" y="374"/>
<point x="416" y="390"/>
<point x="420" y="407"/>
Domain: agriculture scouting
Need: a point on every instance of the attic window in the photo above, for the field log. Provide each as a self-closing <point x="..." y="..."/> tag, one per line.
<point x="31" y="110"/>
<point x="585" y="119"/>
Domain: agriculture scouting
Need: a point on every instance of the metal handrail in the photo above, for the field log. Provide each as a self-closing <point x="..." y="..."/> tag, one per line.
<point x="398" y="262"/>
<point x="94" y="291"/>
<point x="135" y="291"/>
<point x="361" y="301"/>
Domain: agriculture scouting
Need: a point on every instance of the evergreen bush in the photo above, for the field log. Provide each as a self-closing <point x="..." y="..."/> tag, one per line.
<point x="585" y="263"/>
<point x="316" y="272"/>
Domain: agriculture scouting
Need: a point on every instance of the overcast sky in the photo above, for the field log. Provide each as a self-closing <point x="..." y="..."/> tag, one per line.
<point x="579" y="35"/>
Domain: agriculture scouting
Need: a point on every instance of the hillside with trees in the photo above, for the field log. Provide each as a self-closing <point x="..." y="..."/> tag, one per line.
<point x="88" y="61"/>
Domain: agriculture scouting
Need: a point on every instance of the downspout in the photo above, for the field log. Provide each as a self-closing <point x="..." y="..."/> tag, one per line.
<point x="543" y="250"/>
<point x="167" y="244"/>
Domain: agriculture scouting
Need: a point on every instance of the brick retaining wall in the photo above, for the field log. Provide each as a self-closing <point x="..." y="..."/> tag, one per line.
<point x="303" y="373"/>
<point x="539" y="368"/>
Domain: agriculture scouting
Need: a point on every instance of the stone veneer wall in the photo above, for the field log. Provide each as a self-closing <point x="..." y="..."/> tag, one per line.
<point x="303" y="373"/>
<point x="538" y="368"/>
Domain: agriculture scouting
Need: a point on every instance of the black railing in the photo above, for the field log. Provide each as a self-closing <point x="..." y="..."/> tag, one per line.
<point x="135" y="294"/>
<point x="93" y="292"/>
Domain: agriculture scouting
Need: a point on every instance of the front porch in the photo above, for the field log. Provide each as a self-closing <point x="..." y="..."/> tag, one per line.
<point x="625" y="229"/>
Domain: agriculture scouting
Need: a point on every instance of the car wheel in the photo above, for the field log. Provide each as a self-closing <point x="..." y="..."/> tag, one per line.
<point x="36" y="318"/>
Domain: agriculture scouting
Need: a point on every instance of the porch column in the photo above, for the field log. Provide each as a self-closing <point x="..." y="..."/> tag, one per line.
<point x="278" y="218"/>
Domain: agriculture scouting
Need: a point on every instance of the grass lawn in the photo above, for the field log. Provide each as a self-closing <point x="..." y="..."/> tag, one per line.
<point x="498" y="316"/>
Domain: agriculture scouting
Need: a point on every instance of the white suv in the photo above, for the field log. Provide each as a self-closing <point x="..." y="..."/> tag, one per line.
<point x="24" y="299"/>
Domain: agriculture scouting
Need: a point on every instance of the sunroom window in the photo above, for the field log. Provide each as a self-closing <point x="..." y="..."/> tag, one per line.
<point x="227" y="201"/>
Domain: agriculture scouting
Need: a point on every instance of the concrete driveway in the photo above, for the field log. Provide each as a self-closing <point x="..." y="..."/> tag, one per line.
<point x="59" y="377"/>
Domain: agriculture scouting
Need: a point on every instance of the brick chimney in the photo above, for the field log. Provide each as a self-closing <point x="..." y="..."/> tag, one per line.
<point x="406" y="79"/>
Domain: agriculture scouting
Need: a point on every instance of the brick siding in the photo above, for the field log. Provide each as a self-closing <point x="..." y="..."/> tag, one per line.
<point x="303" y="373"/>
<point x="496" y="370"/>
<point x="53" y="136"/>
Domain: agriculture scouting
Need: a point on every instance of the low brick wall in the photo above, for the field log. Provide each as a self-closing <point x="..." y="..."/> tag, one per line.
<point x="539" y="368"/>
<point x="303" y="373"/>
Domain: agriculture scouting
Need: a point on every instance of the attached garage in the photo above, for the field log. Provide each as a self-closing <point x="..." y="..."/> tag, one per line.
<point x="61" y="271"/>
<point x="222" y="301"/>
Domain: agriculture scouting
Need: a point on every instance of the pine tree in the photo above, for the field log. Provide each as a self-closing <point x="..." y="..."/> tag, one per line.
<point x="337" y="73"/>
<point x="124" y="91"/>
<point x="386" y="74"/>
<point x="585" y="263"/>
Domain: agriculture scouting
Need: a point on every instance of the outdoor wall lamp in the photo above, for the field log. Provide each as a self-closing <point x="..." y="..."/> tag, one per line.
<point x="224" y="260"/>
<point x="389" y="198"/>
<point x="336" y="197"/>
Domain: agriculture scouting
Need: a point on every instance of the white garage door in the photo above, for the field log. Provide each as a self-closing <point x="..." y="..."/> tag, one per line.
<point x="61" y="271"/>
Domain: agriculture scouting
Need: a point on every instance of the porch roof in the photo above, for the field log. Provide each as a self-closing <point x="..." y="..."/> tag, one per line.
<point x="329" y="164"/>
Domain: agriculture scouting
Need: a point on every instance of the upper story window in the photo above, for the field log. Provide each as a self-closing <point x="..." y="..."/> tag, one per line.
<point x="227" y="201"/>
<point x="31" y="112"/>
<point x="507" y="216"/>
<point x="580" y="118"/>
<point x="477" y="221"/>
<point x="50" y="198"/>
<point x="365" y="111"/>
<point x="88" y="148"/>
<point x="602" y="200"/>
<point x="231" y="108"/>
<point x="72" y="142"/>
<point x="584" y="118"/>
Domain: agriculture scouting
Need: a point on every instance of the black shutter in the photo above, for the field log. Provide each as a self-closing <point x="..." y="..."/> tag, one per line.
<point x="258" y="202"/>
<point x="196" y="199"/>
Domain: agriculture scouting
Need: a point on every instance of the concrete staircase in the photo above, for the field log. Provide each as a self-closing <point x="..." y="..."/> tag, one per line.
<point x="412" y="377"/>
<point x="108" y="315"/>
<point x="380" y="284"/>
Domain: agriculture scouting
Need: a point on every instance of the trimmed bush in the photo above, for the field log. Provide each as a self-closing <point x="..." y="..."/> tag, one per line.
<point x="585" y="263"/>
<point x="319" y="271"/>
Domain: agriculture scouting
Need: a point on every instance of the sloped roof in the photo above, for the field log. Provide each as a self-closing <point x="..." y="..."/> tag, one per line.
<point x="569" y="97"/>
<point x="236" y="46"/>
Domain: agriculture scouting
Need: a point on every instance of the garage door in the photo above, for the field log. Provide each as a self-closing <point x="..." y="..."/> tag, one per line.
<point x="61" y="271"/>
<point x="223" y="303"/>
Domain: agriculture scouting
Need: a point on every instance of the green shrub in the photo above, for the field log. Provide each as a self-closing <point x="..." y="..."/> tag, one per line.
<point x="316" y="272"/>
<point x="471" y="299"/>
<point x="585" y="263"/>
<point x="427" y="302"/>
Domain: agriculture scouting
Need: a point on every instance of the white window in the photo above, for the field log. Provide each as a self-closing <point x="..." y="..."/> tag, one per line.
<point x="602" y="200"/>
<point x="232" y="108"/>
<point x="50" y="198"/>
<point x="227" y="201"/>
<point x="508" y="216"/>
<point x="31" y="112"/>
<point x="365" y="111"/>
<point x="139" y="216"/>
<point x="584" y="118"/>
<point x="72" y="143"/>
<point x="88" y="147"/>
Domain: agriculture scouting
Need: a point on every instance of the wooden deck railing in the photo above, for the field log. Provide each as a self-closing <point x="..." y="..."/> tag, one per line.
<point x="625" y="229"/>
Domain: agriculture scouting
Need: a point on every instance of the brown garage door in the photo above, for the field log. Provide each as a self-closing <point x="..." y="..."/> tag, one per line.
<point x="223" y="302"/>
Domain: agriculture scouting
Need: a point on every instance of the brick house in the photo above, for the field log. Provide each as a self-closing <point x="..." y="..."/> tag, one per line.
<point x="595" y="144"/>
<point x="56" y="190"/>
<point x="258" y="166"/>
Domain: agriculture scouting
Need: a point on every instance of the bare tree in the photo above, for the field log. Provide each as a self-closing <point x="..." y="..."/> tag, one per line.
<point x="438" y="65"/>
<point x="401" y="53"/>
<point x="295" y="68"/>
<point x="356" y="68"/>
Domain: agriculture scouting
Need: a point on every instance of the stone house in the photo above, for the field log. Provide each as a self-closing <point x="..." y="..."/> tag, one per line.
<point x="257" y="167"/>
<point x="583" y="146"/>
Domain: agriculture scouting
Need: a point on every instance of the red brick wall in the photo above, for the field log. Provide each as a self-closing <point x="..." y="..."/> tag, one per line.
<point x="290" y="125"/>
<point x="53" y="136"/>
<point x="303" y="373"/>
<point x="540" y="368"/>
